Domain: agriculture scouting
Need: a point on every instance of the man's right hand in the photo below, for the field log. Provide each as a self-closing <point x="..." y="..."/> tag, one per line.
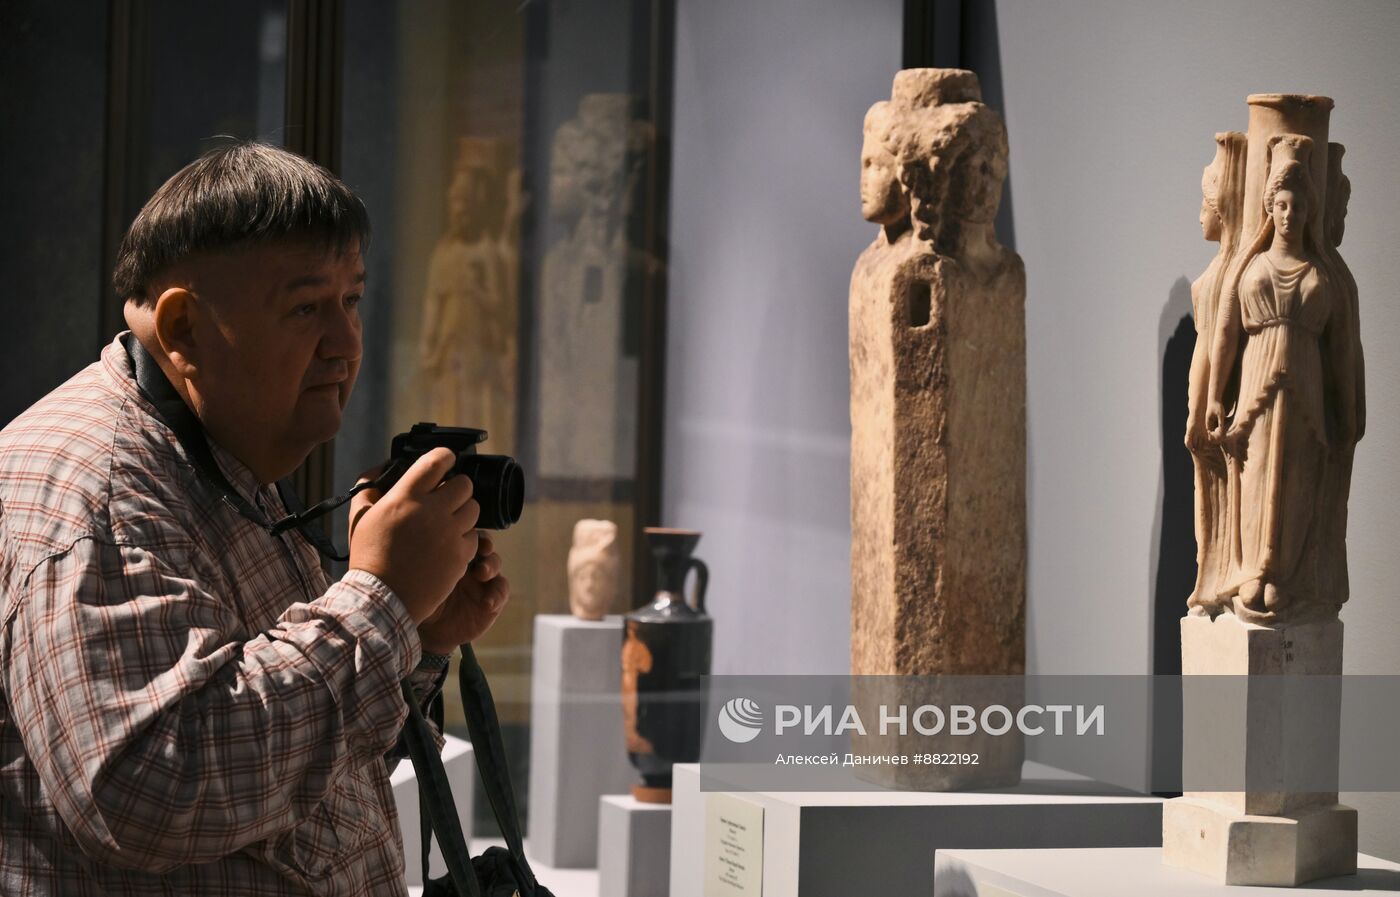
<point x="418" y="537"/>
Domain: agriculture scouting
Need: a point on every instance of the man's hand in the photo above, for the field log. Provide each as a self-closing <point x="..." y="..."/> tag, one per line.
<point x="419" y="536"/>
<point x="473" y="606"/>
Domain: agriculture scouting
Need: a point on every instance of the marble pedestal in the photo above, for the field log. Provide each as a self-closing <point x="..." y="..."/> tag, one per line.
<point x="816" y="844"/>
<point x="1138" y="872"/>
<point x="634" y="847"/>
<point x="460" y="763"/>
<point x="577" y="754"/>
<point x="1261" y="728"/>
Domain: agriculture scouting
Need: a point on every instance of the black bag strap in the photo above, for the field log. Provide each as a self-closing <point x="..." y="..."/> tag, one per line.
<point x="485" y="729"/>
<point x="435" y="801"/>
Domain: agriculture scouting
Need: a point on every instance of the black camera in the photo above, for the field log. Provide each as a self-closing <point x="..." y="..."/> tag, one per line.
<point x="498" y="484"/>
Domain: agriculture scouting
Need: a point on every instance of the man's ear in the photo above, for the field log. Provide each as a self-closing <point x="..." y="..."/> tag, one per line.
<point x="174" y="316"/>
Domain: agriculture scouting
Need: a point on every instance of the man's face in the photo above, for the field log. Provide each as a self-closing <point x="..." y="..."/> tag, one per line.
<point x="279" y="347"/>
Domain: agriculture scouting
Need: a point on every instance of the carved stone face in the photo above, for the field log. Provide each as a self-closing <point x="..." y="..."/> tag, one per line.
<point x="1289" y="213"/>
<point x="467" y="196"/>
<point x="881" y="198"/>
<point x="978" y="180"/>
<point x="1211" y="225"/>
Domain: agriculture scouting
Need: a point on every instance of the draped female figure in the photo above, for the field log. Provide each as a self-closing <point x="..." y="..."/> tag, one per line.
<point x="1222" y="208"/>
<point x="1296" y="404"/>
<point x="1338" y="483"/>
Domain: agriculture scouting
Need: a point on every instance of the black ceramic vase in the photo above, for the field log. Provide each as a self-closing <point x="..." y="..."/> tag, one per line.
<point x="665" y="651"/>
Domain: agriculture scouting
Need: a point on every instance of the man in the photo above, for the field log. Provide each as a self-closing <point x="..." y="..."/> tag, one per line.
<point x="187" y="705"/>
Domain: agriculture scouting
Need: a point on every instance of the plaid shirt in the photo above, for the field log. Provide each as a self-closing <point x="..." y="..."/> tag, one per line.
<point x="187" y="706"/>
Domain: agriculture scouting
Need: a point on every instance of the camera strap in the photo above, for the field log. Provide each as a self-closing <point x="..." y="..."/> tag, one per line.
<point x="499" y="870"/>
<point x="189" y="432"/>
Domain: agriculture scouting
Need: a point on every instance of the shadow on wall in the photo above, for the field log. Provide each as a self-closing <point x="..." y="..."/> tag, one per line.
<point x="1174" y="548"/>
<point x="1174" y="538"/>
<point x="978" y="49"/>
<point x="983" y="51"/>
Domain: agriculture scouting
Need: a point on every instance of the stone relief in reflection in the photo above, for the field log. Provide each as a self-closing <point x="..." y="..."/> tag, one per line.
<point x="1286" y="330"/>
<point x="469" y="344"/>
<point x="1222" y="204"/>
<point x="938" y="369"/>
<point x="592" y="284"/>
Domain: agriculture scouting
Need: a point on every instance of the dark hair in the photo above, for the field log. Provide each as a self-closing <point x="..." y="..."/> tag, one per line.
<point x="237" y="195"/>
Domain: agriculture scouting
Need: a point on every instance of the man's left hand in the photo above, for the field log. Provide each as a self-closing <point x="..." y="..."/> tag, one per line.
<point x="473" y="606"/>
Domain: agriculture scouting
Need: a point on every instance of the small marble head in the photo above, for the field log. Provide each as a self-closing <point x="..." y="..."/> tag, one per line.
<point x="1212" y="223"/>
<point x="882" y="199"/>
<point x="1222" y="187"/>
<point x="1289" y="196"/>
<point x="980" y="164"/>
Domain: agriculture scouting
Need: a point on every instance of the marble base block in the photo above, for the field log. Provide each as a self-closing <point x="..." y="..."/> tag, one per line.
<point x="460" y="762"/>
<point x="1236" y="849"/>
<point x="1264" y="738"/>
<point x="1120" y="872"/>
<point x="577" y="753"/>
<point x="634" y="847"/>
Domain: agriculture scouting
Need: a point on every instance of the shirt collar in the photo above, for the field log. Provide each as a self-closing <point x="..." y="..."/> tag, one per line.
<point x="117" y="364"/>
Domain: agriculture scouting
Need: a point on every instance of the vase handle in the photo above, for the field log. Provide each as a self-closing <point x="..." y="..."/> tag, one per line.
<point x="702" y="582"/>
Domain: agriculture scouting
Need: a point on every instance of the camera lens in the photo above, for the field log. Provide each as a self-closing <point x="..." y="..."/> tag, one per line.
<point x="498" y="485"/>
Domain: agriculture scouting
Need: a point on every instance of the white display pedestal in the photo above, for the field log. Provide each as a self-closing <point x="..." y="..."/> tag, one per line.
<point x="577" y="754"/>
<point x="1100" y="872"/>
<point x="634" y="847"/>
<point x="816" y="844"/>
<point x="460" y="763"/>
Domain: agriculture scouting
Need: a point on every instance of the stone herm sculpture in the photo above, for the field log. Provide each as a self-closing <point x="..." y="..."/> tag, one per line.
<point x="595" y="569"/>
<point x="937" y="334"/>
<point x="1277" y="405"/>
<point x="1296" y="414"/>
<point x="937" y="354"/>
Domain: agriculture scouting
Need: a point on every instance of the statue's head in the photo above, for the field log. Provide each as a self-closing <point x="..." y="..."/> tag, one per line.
<point x="1289" y="195"/>
<point x="882" y="199"/>
<point x="1212" y="224"/>
<point x="1222" y="186"/>
<point x="476" y="192"/>
<point x="977" y="156"/>
<point x="598" y="156"/>
<point x="1338" y="194"/>
<point x="933" y="153"/>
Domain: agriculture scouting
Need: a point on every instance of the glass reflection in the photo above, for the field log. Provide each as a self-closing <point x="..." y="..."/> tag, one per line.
<point x="502" y="150"/>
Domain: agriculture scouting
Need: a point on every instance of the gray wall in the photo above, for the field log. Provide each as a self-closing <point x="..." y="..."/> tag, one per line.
<point x="765" y="224"/>
<point x="1111" y="112"/>
<point x="1111" y="108"/>
<point x="1110" y="127"/>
